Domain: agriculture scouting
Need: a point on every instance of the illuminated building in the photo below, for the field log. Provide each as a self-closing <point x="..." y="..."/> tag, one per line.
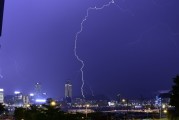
<point x="40" y="101"/>
<point x="18" y="98"/>
<point x="163" y="97"/>
<point x="31" y="98"/>
<point x="68" y="90"/>
<point x="38" y="97"/>
<point x="38" y="91"/>
<point x="1" y="95"/>
<point x="25" y="99"/>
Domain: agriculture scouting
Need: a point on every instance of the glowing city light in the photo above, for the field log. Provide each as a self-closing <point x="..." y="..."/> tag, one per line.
<point x="53" y="103"/>
<point x="123" y="100"/>
<point x="31" y="94"/>
<point x="40" y="100"/>
<point x="87" y="105"/>
<point x="17" y="92"/>
<point x="165" y="111"/>
<point x="163" y="106"/>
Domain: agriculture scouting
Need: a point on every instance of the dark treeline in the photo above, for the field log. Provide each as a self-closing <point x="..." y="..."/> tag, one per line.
<point x="173" y="114"/>
<point x="45" y="112"/>
<point x="48" y="112"/>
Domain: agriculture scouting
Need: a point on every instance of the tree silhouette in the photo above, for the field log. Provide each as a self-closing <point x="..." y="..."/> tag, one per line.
<point x="2" y="109"/>
<point x="174" y="99"/>
<point x="19" y="113"/>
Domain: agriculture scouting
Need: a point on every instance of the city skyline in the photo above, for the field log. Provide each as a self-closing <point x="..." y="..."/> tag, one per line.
<point x="129" y="48"/>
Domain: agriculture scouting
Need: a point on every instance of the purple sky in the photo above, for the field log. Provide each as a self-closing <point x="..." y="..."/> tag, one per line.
<point x="132" y="51"/>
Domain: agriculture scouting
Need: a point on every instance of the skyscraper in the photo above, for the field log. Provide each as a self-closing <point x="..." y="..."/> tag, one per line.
<point x="68" y="90"/>
<point x="1" y="95"/>
<point x="118" y="98"/>
<point x="38" y="91"/>
<point x="18" y="101"/>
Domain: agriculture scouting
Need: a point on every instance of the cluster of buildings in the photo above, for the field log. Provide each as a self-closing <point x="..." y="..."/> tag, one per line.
<point x="38" y="97"/>
<point x="69" y="103"/>
<point x="158" y="104"/>
<point x="18" y="99"/>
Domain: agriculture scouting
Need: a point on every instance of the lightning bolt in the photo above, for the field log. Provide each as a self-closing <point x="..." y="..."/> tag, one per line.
<point x="76" y="39"/>
<point x="1" y="76"/>
<point x="92" y="93"/>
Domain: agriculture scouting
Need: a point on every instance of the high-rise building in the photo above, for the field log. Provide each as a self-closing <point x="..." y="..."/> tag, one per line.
<point x="38" y="91"/>
<point x="25" y="99"/>
<point x="118" y="98"/>
<point x="68" y="90"/>
<point x="18" y="101"/>
<point x="1" y="95"/>
<point x="163" y="98"/>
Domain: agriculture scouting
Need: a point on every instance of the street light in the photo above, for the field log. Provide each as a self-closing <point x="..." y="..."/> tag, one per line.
<point x="27" y="105"/>
<point x="86" y="110"/>
<point x="123" y="100"/>
<point x="165" y="111"/>
<point x="163" y="106"/>
<point x="53" y="103"/>
<point x="126" y="101"/>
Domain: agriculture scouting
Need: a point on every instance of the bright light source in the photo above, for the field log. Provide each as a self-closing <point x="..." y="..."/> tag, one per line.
<point x="31" y="94"/>
<point x="87" y="105"/>
<point x="17" y="92"/>
<point x="1" y="90"/>
<point x="111" y="103"/>
<point x="163" y="106"/>
<point x="165" y="111"/>
<point x="28" y="105"/>
<point x="123" y="100"/>
<point x="53" y="103"/>
<point x="40" y="100"/>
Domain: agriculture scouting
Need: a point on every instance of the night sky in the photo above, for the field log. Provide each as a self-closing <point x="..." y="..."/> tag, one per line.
<point x="131" y="49"/>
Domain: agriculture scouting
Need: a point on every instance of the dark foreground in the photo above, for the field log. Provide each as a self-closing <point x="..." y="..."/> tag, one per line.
<point x="54" y="113"/>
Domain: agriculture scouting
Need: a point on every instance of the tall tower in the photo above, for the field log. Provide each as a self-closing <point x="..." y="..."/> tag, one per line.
<point x="68" y="90"/>
<point x="118" y="98"/>
<point x="1" y="95"/>
<point x="38" y="91"/>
